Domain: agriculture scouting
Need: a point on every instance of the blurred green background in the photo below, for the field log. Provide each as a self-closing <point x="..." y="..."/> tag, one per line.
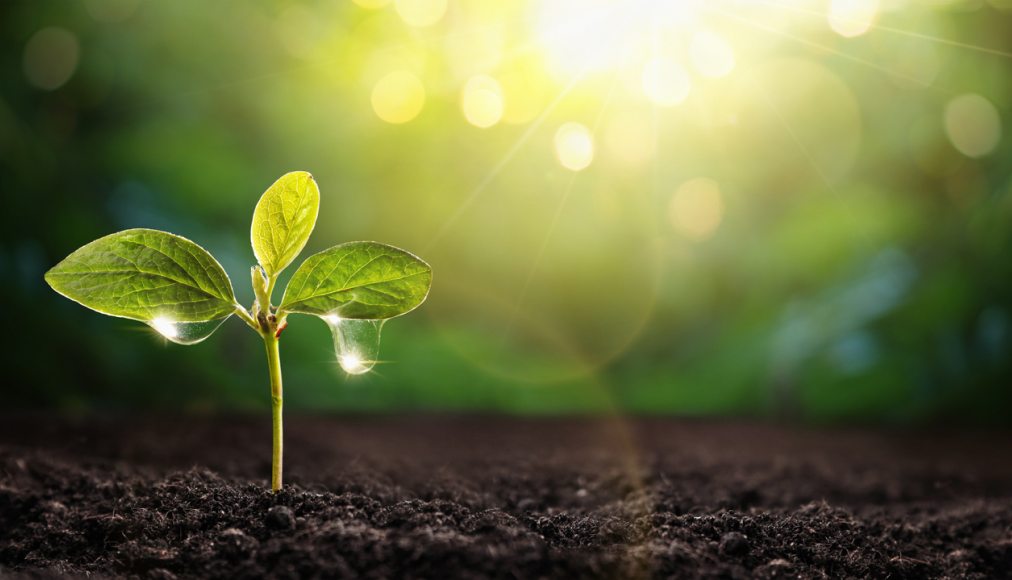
<point x="793" y="208"/>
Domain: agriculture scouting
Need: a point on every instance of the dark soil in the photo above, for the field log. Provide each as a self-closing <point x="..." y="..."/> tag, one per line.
<point x="451" y="497"/>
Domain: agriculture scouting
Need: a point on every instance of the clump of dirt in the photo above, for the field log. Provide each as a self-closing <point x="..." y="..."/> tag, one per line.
<point x="473" y="498"/>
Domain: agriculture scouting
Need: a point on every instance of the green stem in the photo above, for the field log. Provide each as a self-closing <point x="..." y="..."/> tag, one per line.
<point x="246" y="317"/>
<point x="270" y="288"/>
<point x="274" y="364"/>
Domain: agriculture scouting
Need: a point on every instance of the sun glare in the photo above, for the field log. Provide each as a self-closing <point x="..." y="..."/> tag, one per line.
<point x="353" y="364"/>
<point x="574" y="146"/>
<point x="580" y="36"/>
<point x="665" y="82"/>
<point x="165" y="327"/>
<point x="711" y="55"/>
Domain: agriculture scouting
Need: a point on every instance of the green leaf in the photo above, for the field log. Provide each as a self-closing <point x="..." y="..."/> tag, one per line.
<point x="283" y="219"/>
<point x="146" y="275"/>
<point x="364" y="280"/>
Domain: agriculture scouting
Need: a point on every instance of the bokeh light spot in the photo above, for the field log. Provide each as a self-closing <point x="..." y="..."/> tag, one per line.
<point x="711" y="55"/>
<point x="973" y="125"/>
<point x="696" y="209"/>
<point x="50" y="59"/>
<point x="574" y="146"/>
<point x="421" y="13"/>
<point x="482" y="101"/>
<point x="398" y="97"/>
<point x="851" y="18"/>
<point x="665" y="82"/>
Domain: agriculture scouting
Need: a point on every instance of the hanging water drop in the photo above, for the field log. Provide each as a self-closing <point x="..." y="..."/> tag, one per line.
<point x="356" y="342"/>
<point x="165" y="327"/>
<point x="352" y="363"/>
<point x="185" y="332"/>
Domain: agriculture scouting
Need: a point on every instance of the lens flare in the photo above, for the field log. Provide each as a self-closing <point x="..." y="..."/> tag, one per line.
<point x="580" y="36"/>
<point x="353" y="364"/>
<point x="482" y="101"/>
<point x="574" y="146"/>
<point x="398" y="97"/>
<point x="51" y="57"/>
<point x="665" y="82"/>
<point x="850" y="18"/>
<point x="973" y="125"/>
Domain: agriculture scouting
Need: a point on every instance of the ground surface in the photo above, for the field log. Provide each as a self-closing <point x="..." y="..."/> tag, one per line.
<point x="452" y="497"/>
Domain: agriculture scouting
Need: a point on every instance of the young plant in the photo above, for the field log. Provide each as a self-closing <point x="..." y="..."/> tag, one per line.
<point x="180" y="290"/>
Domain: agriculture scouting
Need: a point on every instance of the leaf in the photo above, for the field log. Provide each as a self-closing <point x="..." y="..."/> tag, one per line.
<point x="283" y="219"/>
<point x="364" y="280"/>
<point x="146" y="275"/>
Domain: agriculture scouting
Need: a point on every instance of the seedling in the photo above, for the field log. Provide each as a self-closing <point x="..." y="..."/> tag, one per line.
<point x="179" y="289"/>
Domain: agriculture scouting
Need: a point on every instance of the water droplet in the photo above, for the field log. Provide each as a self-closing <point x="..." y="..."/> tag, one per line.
<point x="356" y="342"/>
<point x="352" y="363"/>
<point x="185" y="332"/>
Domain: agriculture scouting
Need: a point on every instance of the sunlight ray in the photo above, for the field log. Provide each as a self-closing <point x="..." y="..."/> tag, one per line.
<point x="507" y="157"/>
<point x="893" y="30"/>
<point x="830" y="50"/>
<point x="559" y="209"/>
<point x="503" y="162"/>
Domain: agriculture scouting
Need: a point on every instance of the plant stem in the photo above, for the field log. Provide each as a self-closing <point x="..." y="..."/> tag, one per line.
<point x="246" y="317"/>
<point x="274" y="364"/>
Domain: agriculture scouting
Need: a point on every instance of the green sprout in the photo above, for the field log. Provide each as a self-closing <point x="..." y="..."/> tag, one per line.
<point x="179" y="289"/>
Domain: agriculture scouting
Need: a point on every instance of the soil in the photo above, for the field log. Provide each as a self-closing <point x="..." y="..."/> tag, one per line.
<point x="453" y="497"/>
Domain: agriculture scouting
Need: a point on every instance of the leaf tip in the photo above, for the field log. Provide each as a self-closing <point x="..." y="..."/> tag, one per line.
<point x="50" y="276"/>
<point x="299" y="173"/>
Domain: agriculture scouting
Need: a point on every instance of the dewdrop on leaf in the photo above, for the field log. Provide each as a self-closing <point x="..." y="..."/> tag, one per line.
<point x="356" y="342"/>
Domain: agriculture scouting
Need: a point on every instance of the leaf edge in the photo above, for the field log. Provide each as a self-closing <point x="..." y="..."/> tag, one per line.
<point x="282" y="309"/>
<point x="46" y="276"/>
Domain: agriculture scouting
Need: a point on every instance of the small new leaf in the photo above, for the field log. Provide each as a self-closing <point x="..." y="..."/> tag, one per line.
<point x="283" y="219"/>
<point x="363" y="280"/>
<point x="145" y="275"/>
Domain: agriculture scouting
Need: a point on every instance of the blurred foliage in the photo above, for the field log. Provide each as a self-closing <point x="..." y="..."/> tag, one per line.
<point x="774" y="211"/>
